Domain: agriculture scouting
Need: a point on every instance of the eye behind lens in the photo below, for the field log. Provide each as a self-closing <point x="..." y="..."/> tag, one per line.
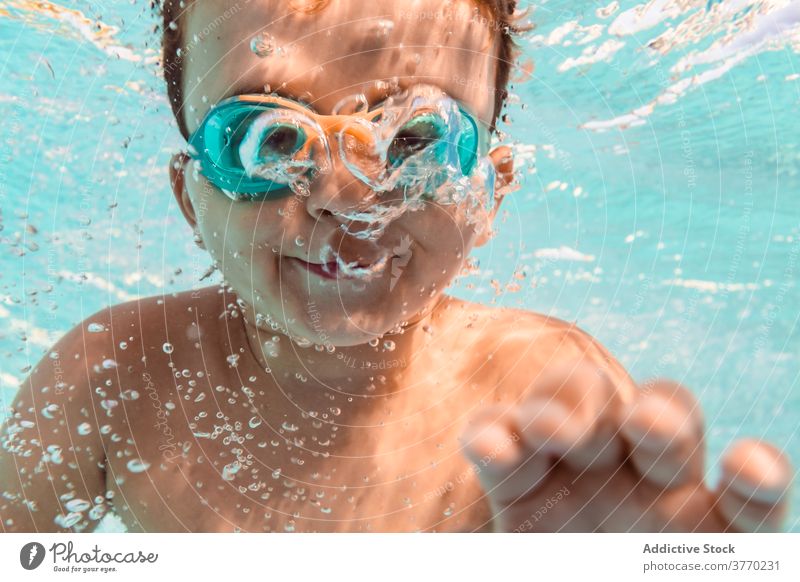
<point x="415" y="136"/>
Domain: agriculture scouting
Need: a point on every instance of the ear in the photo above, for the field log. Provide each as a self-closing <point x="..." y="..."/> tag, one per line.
<point x="177" y="179"/>
<point x="503" y="160"/>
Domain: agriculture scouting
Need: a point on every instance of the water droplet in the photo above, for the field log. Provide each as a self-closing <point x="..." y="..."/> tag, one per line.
<point x="262" y="45"/>
<point x="77" y="505"/>
<point x="229" y="470"/>
<point x="302" y="342"/>
<point x="67" y="521"/>
<point x="54" y="453"/>
<point x="48" y="410"/>
<point x="384" y="27"/>
<point x="108" y="405"/>
<point x="97" y="512"/>
<point x="138" y="466"/>
<point x="95" y="328"/>
<point x="168" y="348"/>
<point x="84" y="428"/>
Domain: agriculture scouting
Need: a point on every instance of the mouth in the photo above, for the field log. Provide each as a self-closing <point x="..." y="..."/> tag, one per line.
<point x="324" y="270"/>
<point x="340" y="269"/>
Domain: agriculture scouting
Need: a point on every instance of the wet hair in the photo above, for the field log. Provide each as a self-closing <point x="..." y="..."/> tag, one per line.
<point x="499" y="15"/>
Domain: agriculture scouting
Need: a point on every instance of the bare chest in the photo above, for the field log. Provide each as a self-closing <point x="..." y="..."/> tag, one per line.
<point x="203" y="456"/>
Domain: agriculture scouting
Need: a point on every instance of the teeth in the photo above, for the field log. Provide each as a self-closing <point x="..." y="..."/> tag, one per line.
<point x="330" y="257"/>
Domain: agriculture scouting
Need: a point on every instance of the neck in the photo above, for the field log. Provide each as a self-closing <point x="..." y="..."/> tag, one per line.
<point x="362" y="371"/>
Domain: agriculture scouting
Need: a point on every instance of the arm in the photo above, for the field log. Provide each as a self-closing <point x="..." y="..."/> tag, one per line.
<point x="582" y="448"/>
<point x="52" y="459"/>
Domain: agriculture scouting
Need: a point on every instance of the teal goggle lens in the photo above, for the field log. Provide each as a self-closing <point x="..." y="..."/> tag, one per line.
<point x="217" y="145"/>
<point x="430" y="131"/>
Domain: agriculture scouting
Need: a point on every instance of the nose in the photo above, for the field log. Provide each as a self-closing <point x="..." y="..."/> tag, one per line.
<point x="337" y="191"/>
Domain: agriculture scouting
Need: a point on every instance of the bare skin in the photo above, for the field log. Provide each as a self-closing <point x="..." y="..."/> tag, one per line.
<point x="402" y="436"/>
<point x="391" y="459"/>
<point x="468" y="419"/>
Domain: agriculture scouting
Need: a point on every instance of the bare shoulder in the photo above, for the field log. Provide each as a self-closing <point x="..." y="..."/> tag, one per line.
<point x="63" y="420"/>
<point x="145" y="341"/>
<point x="147" y="330"/>
<point x="168" y="316"/>
<point x="522" y="344"/>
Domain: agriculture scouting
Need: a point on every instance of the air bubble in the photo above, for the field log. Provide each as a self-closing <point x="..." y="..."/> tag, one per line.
<point x="230" y="470"/>
<point x="262" y="45"/>
<point x="77" y="505"/>
<point x="168" y="348"/>
<point x="138" y="466"/>
<point x="67" y="521"/>
<point x="48" y="410"/>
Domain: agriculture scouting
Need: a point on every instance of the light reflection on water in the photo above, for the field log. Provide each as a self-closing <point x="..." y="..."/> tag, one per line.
<point x="661" y="215"/>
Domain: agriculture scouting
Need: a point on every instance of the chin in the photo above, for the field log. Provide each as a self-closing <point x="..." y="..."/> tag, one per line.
<point x="341" y="330"/>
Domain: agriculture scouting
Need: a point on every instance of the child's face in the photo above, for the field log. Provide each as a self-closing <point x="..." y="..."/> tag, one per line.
<point x="340" y="51"/>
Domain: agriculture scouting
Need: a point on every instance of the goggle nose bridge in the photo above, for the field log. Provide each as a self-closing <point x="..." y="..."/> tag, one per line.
<point x="333" y="125"/>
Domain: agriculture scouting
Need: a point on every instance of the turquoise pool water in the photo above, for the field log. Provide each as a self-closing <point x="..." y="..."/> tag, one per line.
<point x="662" y="211"/>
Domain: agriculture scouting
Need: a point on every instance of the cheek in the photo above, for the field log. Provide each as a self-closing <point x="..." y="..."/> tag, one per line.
<point x="446" y="241"/>
<point x="441" y="228"/>
<point x="234" y="228"/>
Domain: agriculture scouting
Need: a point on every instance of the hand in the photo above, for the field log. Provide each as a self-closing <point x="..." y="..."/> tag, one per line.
<point x="575" y="457"/>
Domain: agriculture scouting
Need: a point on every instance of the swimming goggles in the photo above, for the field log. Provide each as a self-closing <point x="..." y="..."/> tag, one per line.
<point x="265" y="147"/>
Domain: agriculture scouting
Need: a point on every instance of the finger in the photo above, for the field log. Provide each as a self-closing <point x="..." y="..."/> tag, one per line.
<point x="491" y="442"/>
<point x="664" y="431"/>
<point x="752" y="494"/>
<point x="573" y="416"/>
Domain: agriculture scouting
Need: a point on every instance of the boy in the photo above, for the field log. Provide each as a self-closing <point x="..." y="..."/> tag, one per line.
<point x="330" y="384"/>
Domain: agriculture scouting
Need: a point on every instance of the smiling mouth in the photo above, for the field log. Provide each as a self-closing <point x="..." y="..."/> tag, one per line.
<point x="324" y="270"/>
<point x="339" y="269"/>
